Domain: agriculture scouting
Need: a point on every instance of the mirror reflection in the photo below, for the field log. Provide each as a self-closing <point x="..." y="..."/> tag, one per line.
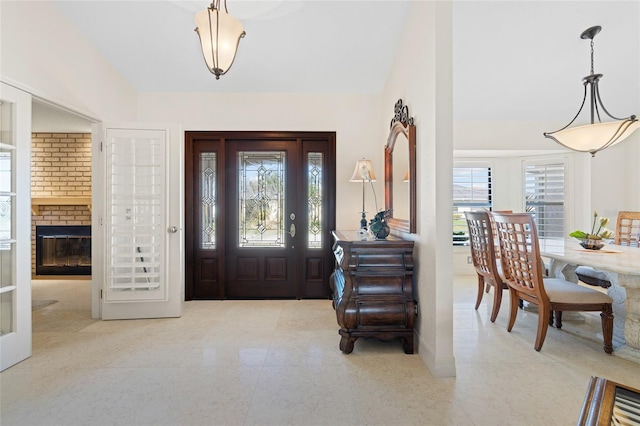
<point x="401" y="178"/>
<point x="400" y="172"/>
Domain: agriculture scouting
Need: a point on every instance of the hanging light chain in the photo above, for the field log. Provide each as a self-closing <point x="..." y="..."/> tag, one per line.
<point x="592" y="72"/>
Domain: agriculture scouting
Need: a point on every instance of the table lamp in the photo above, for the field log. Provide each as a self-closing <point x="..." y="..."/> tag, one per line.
<point x="363" y="172"/>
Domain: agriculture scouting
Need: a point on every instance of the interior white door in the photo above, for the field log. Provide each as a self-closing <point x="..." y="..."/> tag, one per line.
<point x="15" y="226"/>
<point x="137" y="236"/>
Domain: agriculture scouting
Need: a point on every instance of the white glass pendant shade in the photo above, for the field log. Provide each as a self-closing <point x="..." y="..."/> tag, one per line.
<point x="595" y="137"/>
<point x="220" y="34"/>
<point x="363" y="172"/>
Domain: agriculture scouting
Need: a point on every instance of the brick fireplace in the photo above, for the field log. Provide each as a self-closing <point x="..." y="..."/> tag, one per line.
<point x="60" y="183"/>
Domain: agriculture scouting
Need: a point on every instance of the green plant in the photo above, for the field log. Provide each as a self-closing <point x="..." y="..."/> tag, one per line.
<point x="595" y="234"/>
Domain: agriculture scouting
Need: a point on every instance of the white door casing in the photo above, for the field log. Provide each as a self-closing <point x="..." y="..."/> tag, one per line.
<point x="15" y="226"/>
<point x="137" y="221"/>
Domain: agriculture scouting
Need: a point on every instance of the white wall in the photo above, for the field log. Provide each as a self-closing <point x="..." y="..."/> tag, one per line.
<point x="41" y="53"/>
<point x="422" y="77"/>
<point x="503" y="135"/>
<point x="354" y="118"/>
<point x="614" y="178"/>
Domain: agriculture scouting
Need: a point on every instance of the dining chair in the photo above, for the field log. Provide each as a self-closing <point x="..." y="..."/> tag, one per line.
<point x="520" y="253"/>
<point x="627" y="234"/>
<point x="627" y="229"/>
<point x="483" y="254"/>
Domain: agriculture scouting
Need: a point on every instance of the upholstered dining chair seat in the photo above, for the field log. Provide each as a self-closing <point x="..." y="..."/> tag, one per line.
<point x="561" y="291"/>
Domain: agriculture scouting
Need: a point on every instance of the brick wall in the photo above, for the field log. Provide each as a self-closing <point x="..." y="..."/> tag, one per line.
<point x="60" y="167"/>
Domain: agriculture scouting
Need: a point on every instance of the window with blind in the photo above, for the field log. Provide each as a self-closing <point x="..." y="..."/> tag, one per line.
<point x="471" y="191"/>
<point x="544" y="189"/>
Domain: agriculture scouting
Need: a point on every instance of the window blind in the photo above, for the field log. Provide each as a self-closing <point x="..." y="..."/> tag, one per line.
<point x="544" y="197"/>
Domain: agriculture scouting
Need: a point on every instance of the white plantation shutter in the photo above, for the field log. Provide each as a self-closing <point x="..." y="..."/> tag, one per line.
<point x="544" y="188"/>
<point x="135" y="216"/>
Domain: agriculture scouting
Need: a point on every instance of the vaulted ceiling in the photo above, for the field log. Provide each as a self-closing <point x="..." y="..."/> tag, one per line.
<point x="512" y="60"/>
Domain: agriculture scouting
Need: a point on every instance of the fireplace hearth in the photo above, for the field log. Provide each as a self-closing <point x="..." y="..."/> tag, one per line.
<point x="63" y="250"/>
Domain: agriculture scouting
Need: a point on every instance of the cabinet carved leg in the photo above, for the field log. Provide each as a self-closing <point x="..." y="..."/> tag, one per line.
<point x="408" y="345"/>
<point x="346" y="343"/>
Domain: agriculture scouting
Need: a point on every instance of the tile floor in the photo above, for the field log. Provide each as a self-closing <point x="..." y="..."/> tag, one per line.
<point x="278" y="363"/>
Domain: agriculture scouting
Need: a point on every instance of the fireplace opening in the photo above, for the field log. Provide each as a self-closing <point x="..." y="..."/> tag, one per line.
<point x="63" y="250"/>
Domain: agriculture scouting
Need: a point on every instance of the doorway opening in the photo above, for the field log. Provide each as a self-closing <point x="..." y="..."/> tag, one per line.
<point x="61" y="205"/>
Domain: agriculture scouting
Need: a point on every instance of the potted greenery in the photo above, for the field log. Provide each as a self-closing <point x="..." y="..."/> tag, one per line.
<point x="593" y="239"/>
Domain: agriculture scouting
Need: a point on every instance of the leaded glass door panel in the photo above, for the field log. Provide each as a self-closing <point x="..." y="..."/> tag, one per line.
<point x="262" y="220"/>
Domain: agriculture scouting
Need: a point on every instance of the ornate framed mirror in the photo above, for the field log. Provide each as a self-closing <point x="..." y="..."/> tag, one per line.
<point x="400" y="171"/>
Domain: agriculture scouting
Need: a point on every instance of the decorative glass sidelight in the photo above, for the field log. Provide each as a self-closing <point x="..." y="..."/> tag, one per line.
<point x="208" y="200"/>
<point x="135" y="221"/>
<point x="261" y="191"/>
<point x="314" y="196"/>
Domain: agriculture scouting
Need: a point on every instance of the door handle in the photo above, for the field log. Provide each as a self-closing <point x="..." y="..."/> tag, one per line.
<point x="292" y="230"/>
<point x="172" y="229"/>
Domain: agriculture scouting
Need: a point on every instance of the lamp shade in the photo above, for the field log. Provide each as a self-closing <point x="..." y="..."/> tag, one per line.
<point x="219" y="34"/>
<point x="363" y="172"/>
<point x="595" y="137"/>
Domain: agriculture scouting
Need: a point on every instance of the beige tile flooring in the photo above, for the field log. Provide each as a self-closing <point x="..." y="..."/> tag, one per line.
<point x="278" y="363"/>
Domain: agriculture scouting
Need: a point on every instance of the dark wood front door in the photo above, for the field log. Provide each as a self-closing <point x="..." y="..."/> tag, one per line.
<point x="260" y="206"/>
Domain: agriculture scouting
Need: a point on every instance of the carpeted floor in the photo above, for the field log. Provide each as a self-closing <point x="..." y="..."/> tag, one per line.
<point x="39" y="304"/>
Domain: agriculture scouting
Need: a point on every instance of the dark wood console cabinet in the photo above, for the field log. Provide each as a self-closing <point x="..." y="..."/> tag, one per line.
<point x="373" y="289"/>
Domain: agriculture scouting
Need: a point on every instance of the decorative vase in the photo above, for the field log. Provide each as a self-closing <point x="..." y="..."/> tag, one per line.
<point x="379" y="226"/>
<point x="591" y="244"/>
<point x="380" y="230"/>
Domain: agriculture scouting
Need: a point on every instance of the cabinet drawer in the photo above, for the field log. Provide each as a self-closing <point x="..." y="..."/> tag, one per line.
<point x="379" y="259"/>
<point x="382" y="314"/>
<point x="374" y="285"/>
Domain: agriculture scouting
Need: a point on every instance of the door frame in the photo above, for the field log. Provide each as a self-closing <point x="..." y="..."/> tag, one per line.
<point x="193" y="137"/>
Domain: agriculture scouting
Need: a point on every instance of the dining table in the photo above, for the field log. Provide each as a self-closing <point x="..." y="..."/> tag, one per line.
<point x="621" y="265"/>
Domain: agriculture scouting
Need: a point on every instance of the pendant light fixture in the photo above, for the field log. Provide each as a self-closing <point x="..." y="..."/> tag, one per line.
<point x="597" y="135"/>
<point x="220" y="35"/>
